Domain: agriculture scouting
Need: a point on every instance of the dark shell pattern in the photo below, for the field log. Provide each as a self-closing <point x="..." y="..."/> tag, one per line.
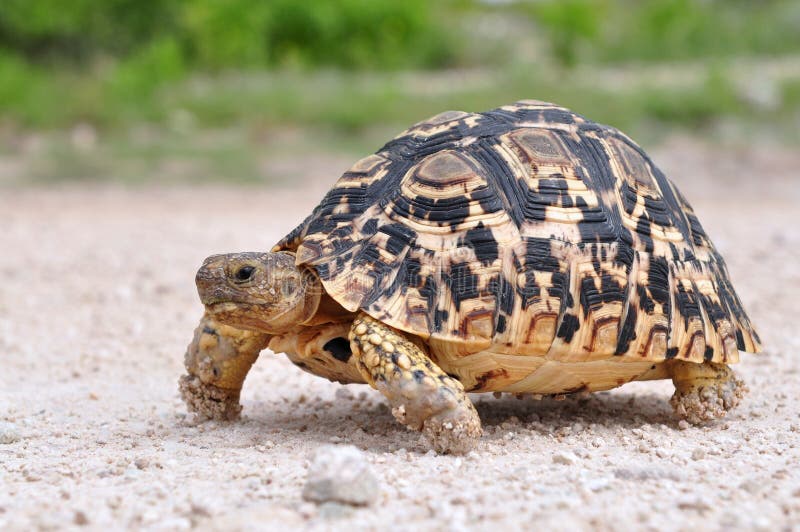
<point x="527" y="230"/>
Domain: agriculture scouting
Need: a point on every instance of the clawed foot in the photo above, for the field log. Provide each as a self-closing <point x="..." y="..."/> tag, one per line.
<point x="448" y="422"/>
<point x="422" y="396"/>
<point x="706" y="392"/>
<point x="453" y="431"/>
<point x="217" y="361"/>
<point x="209" y="401"/>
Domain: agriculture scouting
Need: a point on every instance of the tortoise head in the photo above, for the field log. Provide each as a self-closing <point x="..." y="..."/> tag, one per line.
<point x="264" y="292"/>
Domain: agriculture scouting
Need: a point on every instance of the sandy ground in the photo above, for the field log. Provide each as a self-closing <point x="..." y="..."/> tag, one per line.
<point x="97" y="304"/>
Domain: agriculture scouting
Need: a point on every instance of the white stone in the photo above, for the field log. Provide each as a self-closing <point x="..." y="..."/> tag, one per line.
<point x="340" y="473"/>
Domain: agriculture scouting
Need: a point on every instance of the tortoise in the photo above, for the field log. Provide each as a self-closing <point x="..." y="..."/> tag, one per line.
<point x="525" y="249"/>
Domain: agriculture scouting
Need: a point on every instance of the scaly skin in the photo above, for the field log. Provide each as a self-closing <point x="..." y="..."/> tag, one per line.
<point x="422" y="396"/>
<point x="217" y="361"/>
<point x="704" y="392"/>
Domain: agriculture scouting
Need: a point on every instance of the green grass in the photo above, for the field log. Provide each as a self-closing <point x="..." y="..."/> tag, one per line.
<point x="613" y="31"/>
<point x="220" y="34"/>
<point x="233" y="127"/>
<point x="221" y="87"/>
<point x="350" y="102"/>
<point x="118" y="63"/>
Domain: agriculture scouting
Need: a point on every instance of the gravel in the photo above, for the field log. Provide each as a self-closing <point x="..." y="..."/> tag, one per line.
<point x="98" y="301"/>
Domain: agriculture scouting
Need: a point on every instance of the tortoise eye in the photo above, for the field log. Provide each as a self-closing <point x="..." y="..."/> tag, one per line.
<point x="244" y="273"/>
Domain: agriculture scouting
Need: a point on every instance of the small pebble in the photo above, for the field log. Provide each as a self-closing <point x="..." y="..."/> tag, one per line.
<point x="598" y="484"/>
<point x="694" y="503"/>
<point x="698" y="454"/>
<point x="751" y="486"/>
<point x="102" y="438"/>
<point x="565" y="457"/>
<point x="114" y="501"/>
<point x="683" y="424"/>
<point x="9" y="433"/>
<point x="343" y="394"/>
<point x="341" y="473"/>
<point x="80" y="518"/>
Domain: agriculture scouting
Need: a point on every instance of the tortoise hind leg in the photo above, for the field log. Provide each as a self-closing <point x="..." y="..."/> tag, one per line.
<point x="704" y="392"/>
<point x="422" y="396"/>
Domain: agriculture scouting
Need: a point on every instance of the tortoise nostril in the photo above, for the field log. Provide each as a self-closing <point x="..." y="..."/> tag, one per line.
<point x="244" y="273"/>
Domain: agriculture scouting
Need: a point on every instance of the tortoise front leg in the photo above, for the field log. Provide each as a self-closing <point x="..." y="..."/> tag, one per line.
<point x="704" y="392"/>
<point x="422" y="396"/>
<point x="217" y="361"/>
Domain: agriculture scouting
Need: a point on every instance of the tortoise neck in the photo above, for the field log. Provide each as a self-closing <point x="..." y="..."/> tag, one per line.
<point x="329" y="311"/>
<point x="313" y="293"/>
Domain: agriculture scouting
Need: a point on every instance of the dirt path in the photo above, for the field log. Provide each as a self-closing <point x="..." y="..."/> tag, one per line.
<point x="97" y="304"/>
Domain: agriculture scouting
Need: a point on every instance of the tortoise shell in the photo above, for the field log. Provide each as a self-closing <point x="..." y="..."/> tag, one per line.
<point x="525" y="230"/>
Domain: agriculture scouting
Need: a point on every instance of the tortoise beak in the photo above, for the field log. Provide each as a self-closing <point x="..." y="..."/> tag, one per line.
<point x="210" y="280"/>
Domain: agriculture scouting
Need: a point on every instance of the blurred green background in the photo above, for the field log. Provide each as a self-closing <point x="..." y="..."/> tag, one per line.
<point x="219" y="90"/>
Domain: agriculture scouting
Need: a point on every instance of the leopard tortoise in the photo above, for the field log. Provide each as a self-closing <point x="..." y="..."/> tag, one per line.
<point x="525" y="249"/>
